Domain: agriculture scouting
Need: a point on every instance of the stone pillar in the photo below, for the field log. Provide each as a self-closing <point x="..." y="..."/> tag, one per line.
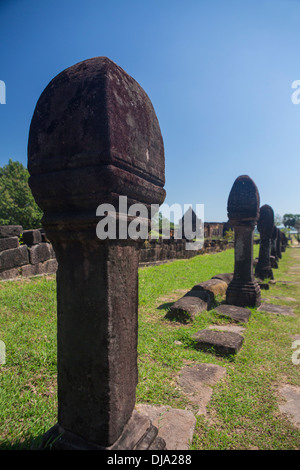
<point x="273" y="246"/>
<point x="94" y="136"/>
<point x="278" y="243"/>
<point x="243" y="213"/>
<point x="284" y="241"/>
<point x="265" y="224"/>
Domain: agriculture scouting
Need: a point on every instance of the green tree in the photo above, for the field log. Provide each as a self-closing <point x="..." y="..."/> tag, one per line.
<point x="277" y="220"/>
<point x="17" y="205"/>
<point x="289" y="220"/>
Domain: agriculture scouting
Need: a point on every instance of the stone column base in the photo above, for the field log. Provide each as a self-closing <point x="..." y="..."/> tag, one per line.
<point x="138" y="434"/>
<point x="243" y="294"/>
<point x="264" y="272"/>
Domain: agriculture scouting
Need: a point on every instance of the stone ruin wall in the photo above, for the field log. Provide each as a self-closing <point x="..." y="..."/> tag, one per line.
<point x="25" y="253"/>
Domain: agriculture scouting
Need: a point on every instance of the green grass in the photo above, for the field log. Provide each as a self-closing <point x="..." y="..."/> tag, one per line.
<point x="243" y="412"/>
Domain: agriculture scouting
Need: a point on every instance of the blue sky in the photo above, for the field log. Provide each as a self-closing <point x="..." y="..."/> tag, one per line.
<point x="219" y="74"/>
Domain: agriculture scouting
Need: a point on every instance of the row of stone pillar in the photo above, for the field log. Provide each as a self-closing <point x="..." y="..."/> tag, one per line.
<point x="94" y="136"/>
<point x="244" y="213"/>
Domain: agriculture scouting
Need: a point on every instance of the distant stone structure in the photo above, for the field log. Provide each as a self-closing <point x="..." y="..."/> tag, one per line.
<point x="274" y="246"/>
<point x="265" y="224"/>
<point x="41" y="260"/>
<point x="243" y="213"/>
<point x="94" y="136"/>
<point x="284" y="241"/>
<point x="213" y="229"/>
<point x="25" y="253"/>
<point x="278" y="243"/>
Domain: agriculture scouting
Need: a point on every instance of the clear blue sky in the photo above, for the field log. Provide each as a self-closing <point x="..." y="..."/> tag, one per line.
<point x="219" y="75"/>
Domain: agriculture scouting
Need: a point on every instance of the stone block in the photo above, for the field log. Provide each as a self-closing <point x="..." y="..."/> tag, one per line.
<point x="7" y="231"/>
<point x="9" y="243"/>
<point x="279" y="309"/>
<point x="185" y="309"/>
<point x="221" y="342"/>
<point x="39" y="253"/>
<point x="51" y="266"/>
<point x="195" y="382"/>
<point x="226" y="277"/>
<point x="32" y="237"/>
<point x="13" y="258"/>
<point x="238" y="314"/>
<point x="47" y="267"/>
<point x="175" y="426"/>
<point x="10" y="274"/>
<point x="44" y="236"/>
<point x="211" y="288"/>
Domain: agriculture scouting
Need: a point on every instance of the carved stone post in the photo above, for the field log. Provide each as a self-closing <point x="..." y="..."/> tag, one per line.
<point x="94" y="136"/>
<point x="243" y="213"/>
<point x="263" y="269"/>
<point x="278" y="243"/>
<point x="273" y="246"/>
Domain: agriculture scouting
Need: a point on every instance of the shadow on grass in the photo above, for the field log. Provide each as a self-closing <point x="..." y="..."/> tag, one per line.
<point x="33" y="443"/>
<point x="165" y="306"/>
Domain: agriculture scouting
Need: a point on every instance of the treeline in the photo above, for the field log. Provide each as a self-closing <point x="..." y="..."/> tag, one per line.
<point x="17" y="205"/>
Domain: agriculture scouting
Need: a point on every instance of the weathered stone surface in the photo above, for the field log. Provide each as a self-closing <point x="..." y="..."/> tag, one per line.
<point x="220" y="342"/>
<point x="10" y="274"/>
<point x="94" y="137"/>
<point x="10" y="231"/>
<point x="230" y="327"/>
<point x="291" y="407"/>
<point x="39" y="253"/>
<point x="279" y="309"/>
<point x="226" y="277"/>
<point x="195" y="382"/>
<point x="265" y="224"/>
<point x="80" y="143"/>
<point x="13" y="258"/>
<point x="175" y="426"/>
<point x="191" y="304"/>
<point x="47" y="267"/>
<point x="243" y="213"/>
<point x="32" y="237"/>
<point x="9" y="243"/>
<point x="135" y="433"/>
<point x="238" y="314"/>
<point x="211" y="288"/>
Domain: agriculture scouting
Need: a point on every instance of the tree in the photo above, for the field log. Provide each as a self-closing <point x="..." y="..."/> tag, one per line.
<point x="277" y="220"/>
<point x="289" y="220"/>
<point x="17" y="205"/>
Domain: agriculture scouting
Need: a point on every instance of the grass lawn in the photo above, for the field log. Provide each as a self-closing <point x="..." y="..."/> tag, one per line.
<point x="243" y="412"/>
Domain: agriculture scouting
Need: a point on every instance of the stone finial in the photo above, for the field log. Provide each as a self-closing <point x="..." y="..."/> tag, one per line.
<point x="265" y="226"/>
<point x="243" y="213"/>
<point x="243" y="202"/>
<point x="94" y="136"/>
